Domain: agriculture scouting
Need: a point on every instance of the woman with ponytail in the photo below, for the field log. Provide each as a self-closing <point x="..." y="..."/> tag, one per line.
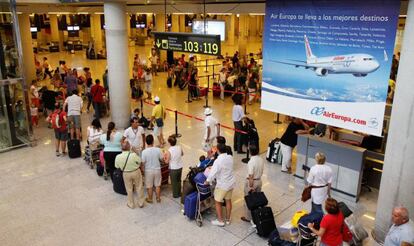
<point x="112" y="142"/>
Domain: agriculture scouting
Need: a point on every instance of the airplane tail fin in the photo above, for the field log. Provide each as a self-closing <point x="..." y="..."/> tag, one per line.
<point x="309" y="54"/>
<point x="385" y="56"/>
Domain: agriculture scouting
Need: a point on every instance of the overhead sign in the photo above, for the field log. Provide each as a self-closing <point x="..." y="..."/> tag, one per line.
<point x="188" y="42"/>
<point x="327" y="61"/>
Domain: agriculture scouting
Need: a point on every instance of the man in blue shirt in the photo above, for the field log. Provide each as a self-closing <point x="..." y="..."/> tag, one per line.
<point x="402" y="229"/>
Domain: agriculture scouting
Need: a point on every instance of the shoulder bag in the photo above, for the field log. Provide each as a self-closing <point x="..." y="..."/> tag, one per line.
<point x="118" y="179"/>
<point x="306" y="193"/>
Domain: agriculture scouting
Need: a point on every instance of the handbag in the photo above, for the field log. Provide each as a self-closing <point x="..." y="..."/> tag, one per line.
<point x="118" y="179"/>
<point x="346" y="233"/>
<point x="306" y="193"/>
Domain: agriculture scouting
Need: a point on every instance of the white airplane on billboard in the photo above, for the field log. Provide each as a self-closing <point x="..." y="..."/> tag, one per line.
<point x="358" y="65"/>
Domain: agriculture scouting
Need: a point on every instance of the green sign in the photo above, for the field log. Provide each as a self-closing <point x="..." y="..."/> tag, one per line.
<point x="188" y="42"/>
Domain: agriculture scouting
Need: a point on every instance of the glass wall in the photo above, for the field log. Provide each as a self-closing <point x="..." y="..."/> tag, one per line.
<point x="15" y="129"/>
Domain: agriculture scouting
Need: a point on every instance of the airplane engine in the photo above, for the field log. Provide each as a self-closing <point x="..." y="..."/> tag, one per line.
<point x="321" y="71"/>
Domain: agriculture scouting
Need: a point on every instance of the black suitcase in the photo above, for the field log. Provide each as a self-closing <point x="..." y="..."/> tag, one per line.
<point x="274" y="152"/>
<point x="99" y="169"/>
<point x="264" y="221"/>
<point x="74" y="149"/>
<point x="255" y="200"/>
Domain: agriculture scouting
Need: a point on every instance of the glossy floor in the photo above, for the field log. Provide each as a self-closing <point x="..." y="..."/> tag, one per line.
<point x="49" y="200"/>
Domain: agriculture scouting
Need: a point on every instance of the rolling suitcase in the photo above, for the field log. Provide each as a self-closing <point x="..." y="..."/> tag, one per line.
<point x="99" y="168"/>
<point x="190" y="205"/>
<point x="264" y="221"/>
<point x="203" y="92"/>
<point x="74" y="149"/>
<point x="200" y="178"/>
<point x="274" y="152"/>
<point x="255" y="200"/>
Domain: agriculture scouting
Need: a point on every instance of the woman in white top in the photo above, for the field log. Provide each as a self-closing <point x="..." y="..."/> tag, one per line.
<point x="174" y="157"/>
<point x="94" y="133"/>
<point x="320" y="178"/>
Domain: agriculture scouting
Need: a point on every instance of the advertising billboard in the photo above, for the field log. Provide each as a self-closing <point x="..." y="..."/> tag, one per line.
<point x="329" y="61"/>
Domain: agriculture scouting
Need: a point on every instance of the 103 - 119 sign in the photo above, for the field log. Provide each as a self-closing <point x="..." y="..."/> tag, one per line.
<point x="188" y="42"/>
<point x="206" y="48"/>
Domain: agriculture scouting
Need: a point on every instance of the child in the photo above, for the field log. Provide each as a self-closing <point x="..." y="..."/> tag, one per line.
<point x="34" y="115"/>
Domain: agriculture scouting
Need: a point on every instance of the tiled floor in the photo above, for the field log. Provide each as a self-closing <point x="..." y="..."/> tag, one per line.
<point x="48" y="200"/>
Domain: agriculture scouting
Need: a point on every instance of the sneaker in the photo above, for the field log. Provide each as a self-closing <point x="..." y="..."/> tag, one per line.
<point x="217" y="223"/>
<point x="228" y="222"/>
<point x="57" y="153"/>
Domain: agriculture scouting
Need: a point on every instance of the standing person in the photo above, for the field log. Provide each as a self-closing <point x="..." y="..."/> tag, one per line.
<point x="194" y="90"/>
<point x="211" y="129"/>
<point x="112" y="142"/>
<point x="97" y="92"/>
<point x="332" y="225"/>
<point x="58" y="121"/>
<point x="63" y="69"/>
<point x="320" y="178"/>
<point x="238" y="116"/>
<point x="46" y="68"/>
<point x="174" y="157"/>
<point x="89" y="85"/>
<point x="105" y="81"/>
<point x="289" y="141"/>
<point x="130" y="163"/>
<point x="402" y="229"/>
<point x="158" y="116"/>
<point x="71" y="82"/>
<point x="34" y="113"/>
<point x="154" y="62"/>
<point x="34" y="92"/>
<point x="222" y="81"/>
<point x="75" y="104"/>
<point x="151" y="159"/>
<point x="252" y="86"/>
<point x="135" y="135"/>
<point x="255" y="168"/>
<point x="148" y="83"/>
<point x="222" y="172"/>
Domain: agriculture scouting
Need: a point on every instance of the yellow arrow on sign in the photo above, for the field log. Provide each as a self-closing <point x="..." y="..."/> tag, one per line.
<point x="158" y="43"/>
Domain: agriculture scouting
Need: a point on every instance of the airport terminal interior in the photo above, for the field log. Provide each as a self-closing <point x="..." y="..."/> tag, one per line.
<point x="50" y="199"/>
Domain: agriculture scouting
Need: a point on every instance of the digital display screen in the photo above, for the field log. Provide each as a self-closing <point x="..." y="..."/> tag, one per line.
<point x="70" y="28"/>
<point x="212" y="28"/>
<point x="33" y="29"/>
<point x="76" y="28"/>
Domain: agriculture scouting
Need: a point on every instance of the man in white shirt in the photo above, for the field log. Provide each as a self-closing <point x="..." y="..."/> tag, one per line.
<point x="211" y="129"/>
<point x="402" y="229"/>
<point x="222" y="172"/>
<point x="135" y="135"/>
<point x="238" y="116"/>
<point x="74" y="104"/>
<point x="255" y="168"/>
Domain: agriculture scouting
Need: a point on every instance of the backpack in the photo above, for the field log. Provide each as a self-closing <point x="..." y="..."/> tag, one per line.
<point x="56" y="120"/>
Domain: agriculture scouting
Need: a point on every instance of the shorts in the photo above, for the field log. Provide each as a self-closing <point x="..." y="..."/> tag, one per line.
<point x="152" y="178"/>
<point x="157" y="130"/>
<point x="74" y="120"/>
<point x="62" y="136"/>
<point x="220" y="194"/>
<point x="148" y="86"/>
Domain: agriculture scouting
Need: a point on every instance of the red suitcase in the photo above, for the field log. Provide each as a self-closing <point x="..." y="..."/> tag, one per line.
<point x="216" y="90"/>
<point x="203" y="92"/>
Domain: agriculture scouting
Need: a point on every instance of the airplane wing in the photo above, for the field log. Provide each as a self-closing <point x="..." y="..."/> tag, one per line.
<point x="298" y="64"/>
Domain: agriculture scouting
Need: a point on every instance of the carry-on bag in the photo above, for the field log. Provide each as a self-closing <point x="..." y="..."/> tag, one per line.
<point x="118" y="179"/>
<point x="190" y="205"/>
<point x="74" y="149"/>
<point x="264" y="221"/>
<point x="255" y="200"/>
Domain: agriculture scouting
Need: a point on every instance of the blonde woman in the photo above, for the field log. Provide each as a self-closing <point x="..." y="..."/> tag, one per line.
<point x="320" y="178"/>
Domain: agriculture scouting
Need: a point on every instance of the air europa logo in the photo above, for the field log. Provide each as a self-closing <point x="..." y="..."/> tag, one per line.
<point x="321" y="111"/>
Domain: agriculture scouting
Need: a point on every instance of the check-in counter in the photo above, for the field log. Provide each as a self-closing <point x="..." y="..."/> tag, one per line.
<point x="345" y="160"/>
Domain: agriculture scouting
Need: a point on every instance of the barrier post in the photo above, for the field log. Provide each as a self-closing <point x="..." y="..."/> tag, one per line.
<point x="277" y="121"/>
<point x="213" y="71"/>
<point x="177" y="135"/>
<point x="142" y="108"/>
<point x="219" y="129"/>
<point x="208" y="87"/>
<point x="188" y="94"/>
<point x="246" y="95"/>
<point x="206" y="66"/>
<point x="247" y="159"/>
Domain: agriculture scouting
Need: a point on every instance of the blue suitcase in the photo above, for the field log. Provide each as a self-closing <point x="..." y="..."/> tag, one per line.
<point x="200" y="178"/>
<point x="190" y="205"/>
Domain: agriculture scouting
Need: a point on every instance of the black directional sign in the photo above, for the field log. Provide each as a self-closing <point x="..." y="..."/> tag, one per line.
<point x="188" y="42"/>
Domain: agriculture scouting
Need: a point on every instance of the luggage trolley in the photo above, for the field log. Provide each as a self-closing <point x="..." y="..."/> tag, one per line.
<point x="204" y="198"/>
<point x="92" y="155"/>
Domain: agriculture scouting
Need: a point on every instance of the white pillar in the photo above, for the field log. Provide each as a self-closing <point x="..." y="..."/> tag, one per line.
<point x="118" y="69"/>
<point x="27" y="48"/>
<point x="397" y="177"/>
